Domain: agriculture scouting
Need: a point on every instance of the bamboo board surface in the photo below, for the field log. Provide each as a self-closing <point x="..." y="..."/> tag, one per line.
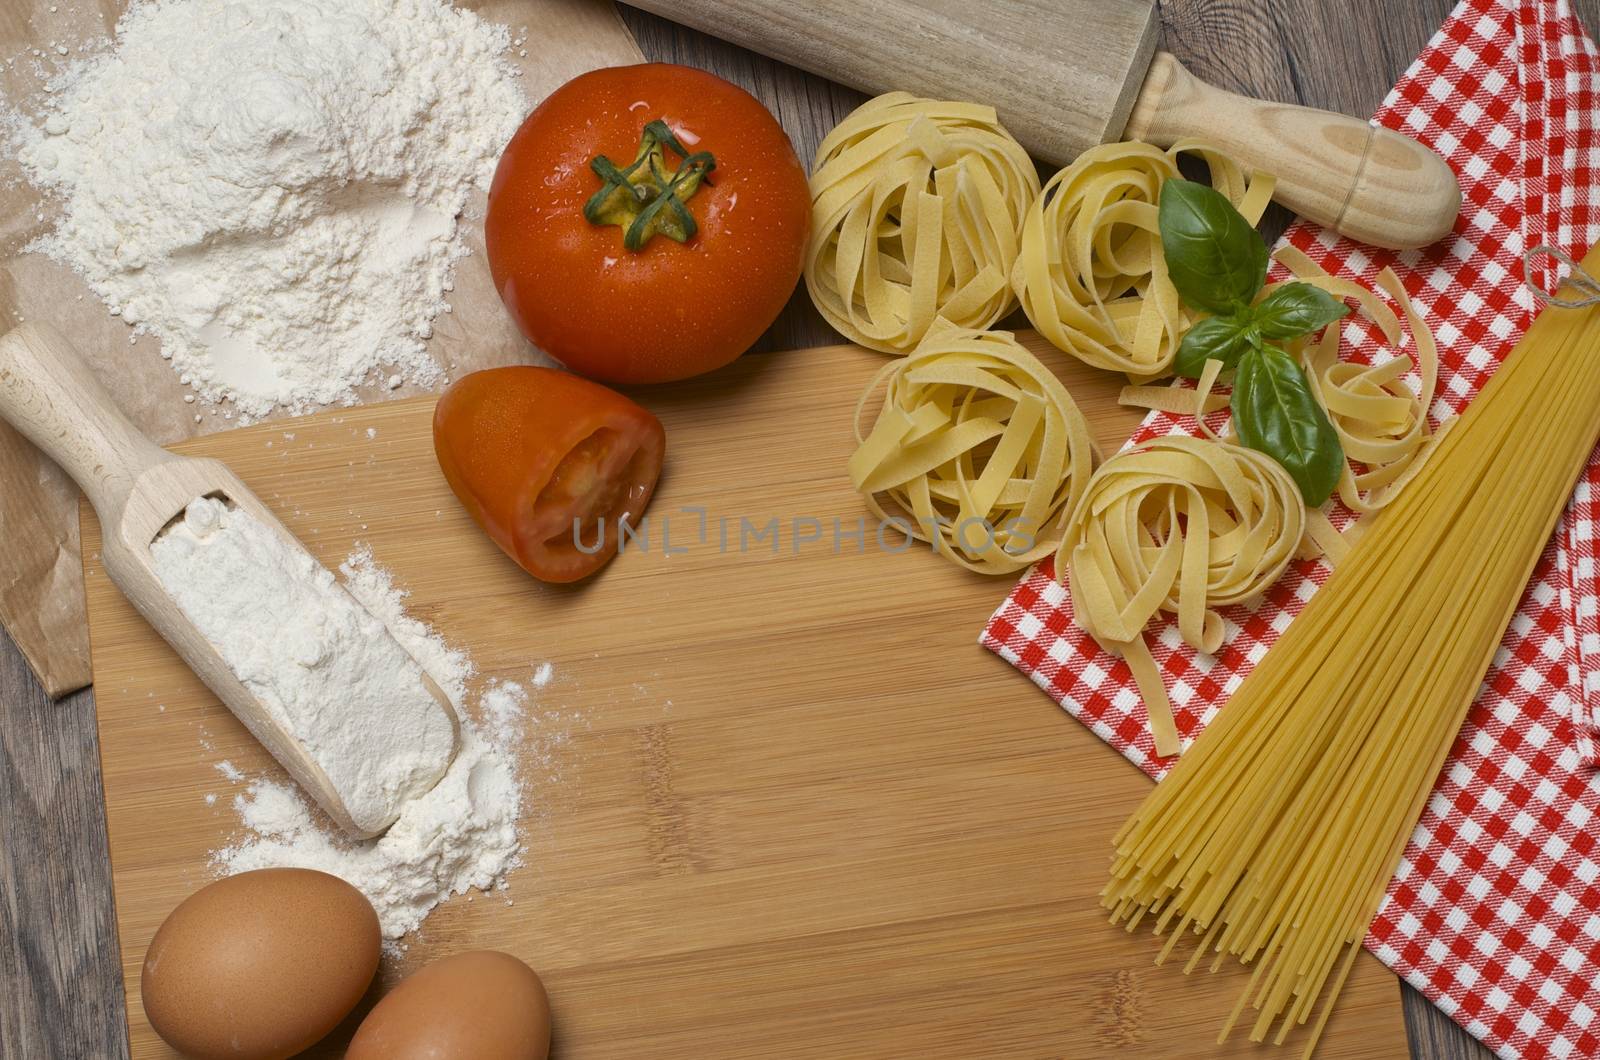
<point x="780" y="802"/>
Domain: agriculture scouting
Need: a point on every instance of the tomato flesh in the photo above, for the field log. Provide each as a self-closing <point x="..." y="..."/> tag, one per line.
<point x="548" y="464"/>
<point x="597" y="486"/>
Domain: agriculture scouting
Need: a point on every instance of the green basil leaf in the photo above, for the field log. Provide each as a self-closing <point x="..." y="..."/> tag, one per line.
<point x="1216" y="260"/>
<point x="1215" y="338"/>
<point x="1297" y="309"/>
<point x="1275" y="412"/>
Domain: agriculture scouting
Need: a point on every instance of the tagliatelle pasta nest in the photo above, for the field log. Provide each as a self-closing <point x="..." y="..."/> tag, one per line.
<point x="977" y="448"/>
<point x="1382" y="422"/>
<point x="916" y="207"/>
<point x="1090" y="273"/>
<point x="1182" y="525"/>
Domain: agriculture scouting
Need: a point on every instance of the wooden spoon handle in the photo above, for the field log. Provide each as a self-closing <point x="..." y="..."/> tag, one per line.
<point x="1365" y="182"/>
<point x="51" y="396"/>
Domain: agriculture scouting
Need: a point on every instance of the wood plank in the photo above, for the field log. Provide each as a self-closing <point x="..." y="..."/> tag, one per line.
<point x="748" y="834"/>
<point x="59" y="972"/>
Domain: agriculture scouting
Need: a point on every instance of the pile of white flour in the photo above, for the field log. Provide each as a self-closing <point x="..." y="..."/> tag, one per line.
<point x="326" y="669"/>
<point x="461" y="835"/>
<point x="271" y="186"/>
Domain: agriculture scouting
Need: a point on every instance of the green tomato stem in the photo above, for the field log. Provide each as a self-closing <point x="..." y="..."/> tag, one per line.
<point x="646" y="199"/>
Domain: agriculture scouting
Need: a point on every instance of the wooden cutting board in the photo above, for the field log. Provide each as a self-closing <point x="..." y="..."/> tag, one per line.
<point x="781" y="803"/>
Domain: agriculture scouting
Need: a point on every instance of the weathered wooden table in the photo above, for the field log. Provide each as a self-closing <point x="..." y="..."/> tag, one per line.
<point x="60" y="993"/>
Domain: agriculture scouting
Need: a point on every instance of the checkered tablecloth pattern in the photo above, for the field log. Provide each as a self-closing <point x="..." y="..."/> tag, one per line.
<point x="1494" y="913"/>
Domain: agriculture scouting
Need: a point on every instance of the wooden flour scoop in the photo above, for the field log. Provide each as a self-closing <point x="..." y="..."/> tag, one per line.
<point x="1066" y="75"/>
<point x="138" y="489"/>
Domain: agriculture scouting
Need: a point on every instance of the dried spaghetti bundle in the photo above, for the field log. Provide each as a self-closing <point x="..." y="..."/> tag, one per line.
<point x="1273" y="838"/>
<point x="917" y="205"/>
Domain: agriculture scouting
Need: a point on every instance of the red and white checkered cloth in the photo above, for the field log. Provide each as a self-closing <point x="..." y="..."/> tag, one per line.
<point x="1494" y="913"/>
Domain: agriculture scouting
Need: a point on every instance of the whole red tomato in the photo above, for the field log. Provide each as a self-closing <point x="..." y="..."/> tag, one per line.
<point x="655" y="271"/>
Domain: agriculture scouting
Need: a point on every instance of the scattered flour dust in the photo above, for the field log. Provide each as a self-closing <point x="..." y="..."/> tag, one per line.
<point x="271" y="187"/>
<point x="462" y="835"/>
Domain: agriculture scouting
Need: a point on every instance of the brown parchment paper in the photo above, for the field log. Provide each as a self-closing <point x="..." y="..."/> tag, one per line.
<point x="41" y="576"/>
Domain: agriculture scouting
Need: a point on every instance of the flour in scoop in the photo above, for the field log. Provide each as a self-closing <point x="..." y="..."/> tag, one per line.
<point x="462" y="835"/>
<point x="271" y="187"/>
<point x="325" y="668"/>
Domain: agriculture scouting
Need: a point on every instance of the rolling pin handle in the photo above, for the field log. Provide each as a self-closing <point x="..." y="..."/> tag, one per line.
<point x="49" y="394"/>
<point x="1366" y="182"/>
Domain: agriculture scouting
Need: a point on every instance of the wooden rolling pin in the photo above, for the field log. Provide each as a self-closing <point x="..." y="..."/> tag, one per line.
<point x="138" y="489"/>
<point x="1068" y="74"/>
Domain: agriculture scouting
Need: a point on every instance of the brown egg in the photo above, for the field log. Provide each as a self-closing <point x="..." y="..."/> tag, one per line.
<point x="484" y="1005"/>
<point x="260" y="965"/>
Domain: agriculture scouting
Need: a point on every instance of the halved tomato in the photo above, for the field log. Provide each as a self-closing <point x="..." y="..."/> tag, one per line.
<point x="548" y="464"/>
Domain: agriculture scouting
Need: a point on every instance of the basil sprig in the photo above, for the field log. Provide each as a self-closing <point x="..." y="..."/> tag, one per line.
<point x="1218" y="263"/>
